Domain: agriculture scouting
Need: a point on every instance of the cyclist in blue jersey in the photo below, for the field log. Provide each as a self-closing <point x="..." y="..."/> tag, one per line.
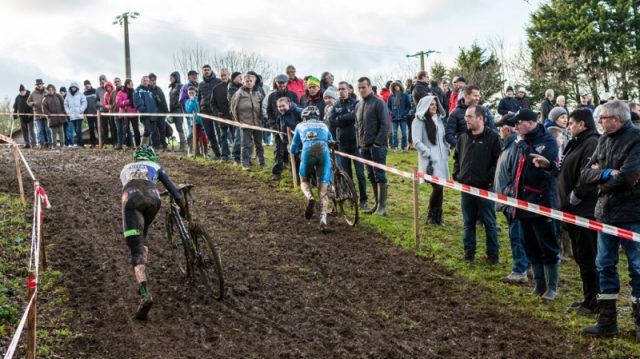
<point x="140" y="204"/>
<point x="311" y="138"/>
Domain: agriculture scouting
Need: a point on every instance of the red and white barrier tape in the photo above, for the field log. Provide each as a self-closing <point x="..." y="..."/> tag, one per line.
<point x="16" y="337"/>
<point x="239" y="124"/>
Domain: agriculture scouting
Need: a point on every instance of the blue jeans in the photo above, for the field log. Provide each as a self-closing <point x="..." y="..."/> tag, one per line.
<point x="378" y="155"/>
<point x="44" y="132"/>
<point x="77" y="128"/>
<point x="520" y="262"/>
<point x="474" y="208"/>
<point x="121" y="129"/>
<point x="69" y="130"/>
<point x="224" y="141"/>
<point x="607" y="260"/>
<point x="236" y="148"/>
<point x="345" y="164"/>
<point x="540" y="241"/>
<point x="394" y="137"/>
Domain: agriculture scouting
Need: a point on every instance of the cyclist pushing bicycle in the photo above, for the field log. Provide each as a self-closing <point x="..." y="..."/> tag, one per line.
<point x="140" y="204"/>
<point x="311" y="138"/>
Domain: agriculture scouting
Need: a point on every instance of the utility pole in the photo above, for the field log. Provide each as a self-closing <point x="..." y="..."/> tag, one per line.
<point x="123" y="20"/>
<point x="422" y="55"/>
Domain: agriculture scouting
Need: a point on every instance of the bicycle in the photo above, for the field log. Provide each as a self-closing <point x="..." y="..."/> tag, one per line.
<point x="194" y="251"/>
<point x="342" y="191"/>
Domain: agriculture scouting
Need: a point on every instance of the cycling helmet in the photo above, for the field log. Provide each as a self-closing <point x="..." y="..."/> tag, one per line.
<point x="145" y="152"/>
<point x="310" y="112"/>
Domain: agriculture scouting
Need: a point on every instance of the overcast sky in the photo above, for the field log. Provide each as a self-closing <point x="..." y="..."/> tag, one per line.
<point x="72" y="40"/>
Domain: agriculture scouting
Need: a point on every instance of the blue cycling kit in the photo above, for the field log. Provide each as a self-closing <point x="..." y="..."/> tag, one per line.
<point x="313" y="136"/>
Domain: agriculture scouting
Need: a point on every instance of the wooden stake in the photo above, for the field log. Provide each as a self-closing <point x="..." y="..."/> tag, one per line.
<point x="292" y="160"/>
<point x="99" y="130"/>
<point x="416" y="220"/>
<point x="31" y="318"/>
<point x="193" y="134"/>
<point x="16" y="157"/>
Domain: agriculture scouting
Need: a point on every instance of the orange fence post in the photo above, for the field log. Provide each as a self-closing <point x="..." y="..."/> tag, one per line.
<point x="416" y="220"/>
<point x="31" y="318"/>
<point x="16" y="157"/>
<point x="99" y="130"/>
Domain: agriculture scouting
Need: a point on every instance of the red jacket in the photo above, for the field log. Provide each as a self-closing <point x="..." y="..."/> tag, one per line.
<point x="385" y="93"/>
<point x="453" y="100"/>
<point x="108" y="106"/>
<point x="297" y="86"/>
<point x="123" y="102"/>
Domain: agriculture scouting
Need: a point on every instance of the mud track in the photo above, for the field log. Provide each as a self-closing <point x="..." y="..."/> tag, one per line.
<point x="291" y="291"/>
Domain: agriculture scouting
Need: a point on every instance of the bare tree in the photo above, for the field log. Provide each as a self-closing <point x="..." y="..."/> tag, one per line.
<point x="244" y="61"/>
<point x="191" y="57"/>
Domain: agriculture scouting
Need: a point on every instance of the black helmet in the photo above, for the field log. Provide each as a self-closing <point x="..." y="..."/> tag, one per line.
<point x="310" y="112"/>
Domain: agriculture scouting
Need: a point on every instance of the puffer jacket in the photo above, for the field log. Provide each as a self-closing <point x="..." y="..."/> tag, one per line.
<point x="174" y="93"/>
<point x="533" y="184"/>
<point x="124" y="103"/>
<point x="399" y="113"/>
<point x="456" y="124"/>
<point x="75" y="104"/>
<point x="245" y="106"/>
<point x="343" y="119"/>
<point x="297" y="86"/>
<point x="109" y="105"/>
<point x="92" y="102"/>
<point x="372" y="122"/>
<point x="272" y="105"/>
<point x="54" y="105"/>
<point x="619" y="195"/>
<point x="205" y="89"/>
<point x="35" y="101"/>
<point x="576" y="155"/>
<point x="144" y="100"/>
<point x="421" y="90"/>
<point x="508" y="104"/>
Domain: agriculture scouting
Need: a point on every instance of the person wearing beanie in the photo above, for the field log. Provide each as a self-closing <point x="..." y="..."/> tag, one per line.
<point x="313" y="95"/>
<point x="23" y="111"/>
<point x="399" y="105"/>
<point x="330" y="97"/>
<point x="274" y="122"/>
<point x="522" y="99"/>
<point x="508" y="103"/>
<point x="557" y="126"/>
<point x="579" y="199"/>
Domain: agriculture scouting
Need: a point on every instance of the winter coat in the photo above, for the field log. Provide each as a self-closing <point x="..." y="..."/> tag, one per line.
<point x="184" y="92"/>
<point x="343" y="118"/>
<point x="290" y="119"/>
<point x="385" y="94"/>
<point x="100" y="91"/>
<point x="35" y="101"/>
<point x="205" y="89"/>
<point x="533" y="184"/>
<point x="296" y="86"/>
<point x="438" y="153"/>
<point x="54" y="105"/>
<point x="523" y="102"/>
<point x="506" y="171"/>
<point x="220" y="102"/>
<point x="476" y="158"/>
<point x="192" y="106"/>
<point x="421" y="90"/>
<point x="317" y="101"/>
<point x="174" y="93"/>
<point x="575" y="157"/>
<point x="508" y="104"/>
<point x="399" y="113"/>
<point x="453" y="100"/>
<point x="446" y="99"/>
<point x="124" y="103"/>
<point x="158" y="96"/>
<point x="92" y="102"/>
<point x="21" y="106"/>
<point x="272" y="105"/>
<point x="456" y="124"/>
<point x="245" y="106"/>
<point x="372" y="122"/>
<point x="144" y="101"/>
<point x="547" y="106"/>
<point x="75" y="105"/>
<point x="619" y="195"/>
<point x="112" y="100"/>
<point x="109" y="106"/>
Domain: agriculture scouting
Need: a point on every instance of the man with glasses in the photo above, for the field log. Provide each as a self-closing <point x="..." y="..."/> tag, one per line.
<point x="475" y="161"/>
<point x="280" y="152"/>
<point x="372" y="123"/>
<point x="295" y="84"/>
<point x="343" y="118"/>
<point x="615" y="169"/>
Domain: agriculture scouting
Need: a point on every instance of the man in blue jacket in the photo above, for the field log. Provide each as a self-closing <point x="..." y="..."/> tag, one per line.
<point x="508" y="104"/>
<point x="145" y="103"/>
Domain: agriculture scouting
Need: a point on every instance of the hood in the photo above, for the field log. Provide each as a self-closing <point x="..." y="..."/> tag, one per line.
<point x="394" y="85"/>
<point x="176" y="75"/>
<point x="107" y="84"/>
<point x="423" y="106"/>
<point x="74" y="84"/>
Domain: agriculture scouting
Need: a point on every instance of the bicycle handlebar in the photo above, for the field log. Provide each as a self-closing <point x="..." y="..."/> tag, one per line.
<point x="185" y="187"/>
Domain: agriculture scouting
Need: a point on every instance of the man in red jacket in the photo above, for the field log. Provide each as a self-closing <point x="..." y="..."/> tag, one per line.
<point x="458" y="86"/>
<point x="295" y="84"/>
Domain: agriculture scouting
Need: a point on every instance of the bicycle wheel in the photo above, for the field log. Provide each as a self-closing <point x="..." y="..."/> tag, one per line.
<point x="207" y="261"/>
<point x="347" y="198"/>
<point x="176" y="244"/>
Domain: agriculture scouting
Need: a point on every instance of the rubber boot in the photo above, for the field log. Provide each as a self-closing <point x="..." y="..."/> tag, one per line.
<point x="635" y="305"/>
<point x="541" y="283"/>
<point x="374" y="187"/>
<point x="551" y="274"/>
<point x="437" y="216"/>
<point x="607" y="323"/>
<point x="382" y="199"/>
<point x="182" y="142"/>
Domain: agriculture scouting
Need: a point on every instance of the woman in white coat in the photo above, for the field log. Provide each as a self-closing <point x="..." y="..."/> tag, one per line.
<point x="427" y="133"/>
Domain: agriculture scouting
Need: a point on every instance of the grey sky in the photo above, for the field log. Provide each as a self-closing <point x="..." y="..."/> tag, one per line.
<point x="66" y="40"/>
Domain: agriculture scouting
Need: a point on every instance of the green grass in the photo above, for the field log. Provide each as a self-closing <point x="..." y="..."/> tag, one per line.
<point x="444" y="245"/>
<point x="15" y="244"/>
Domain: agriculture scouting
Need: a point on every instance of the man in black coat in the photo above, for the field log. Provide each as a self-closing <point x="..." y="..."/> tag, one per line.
<point x="220" y="108"/>
<point x="580" y="199"/>
<point x="159" y="134"/>
<point x="475" y="161"/>
<point x="22" y="110"/>
<point x="421" y="87"/>
<point x="205" y="89"/>
<point x="280" y="152"/>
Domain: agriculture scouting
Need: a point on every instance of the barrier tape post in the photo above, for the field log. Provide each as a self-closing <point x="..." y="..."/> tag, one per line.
<point x="99" y="130"/>
<point x="16" y="157"/>
<point x="31" y="319"/>
<point x="416" y="220"/>
<point x="194" y="136"/>
<point x="292" y="160"/>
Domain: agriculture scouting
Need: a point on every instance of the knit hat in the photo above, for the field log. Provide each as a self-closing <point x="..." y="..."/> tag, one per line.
<point x="63" y="89"/>
<point x="102" y="77"/>
<point x="313" y="81"/>
<point x="235" y="74"/>
<point x="330" y="92"/>
<point x="21" y="88"/>
<point x="39" y="82"/>
<point x="509" y="88"/>
<point x="522" y="89"/>
<point x="556" y="112"/>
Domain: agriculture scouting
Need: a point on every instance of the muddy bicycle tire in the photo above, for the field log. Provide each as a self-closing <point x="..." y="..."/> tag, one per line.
<point x="207" y="261"/>
<point x="347" y="199"/>
<point x="177" y="245"/>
